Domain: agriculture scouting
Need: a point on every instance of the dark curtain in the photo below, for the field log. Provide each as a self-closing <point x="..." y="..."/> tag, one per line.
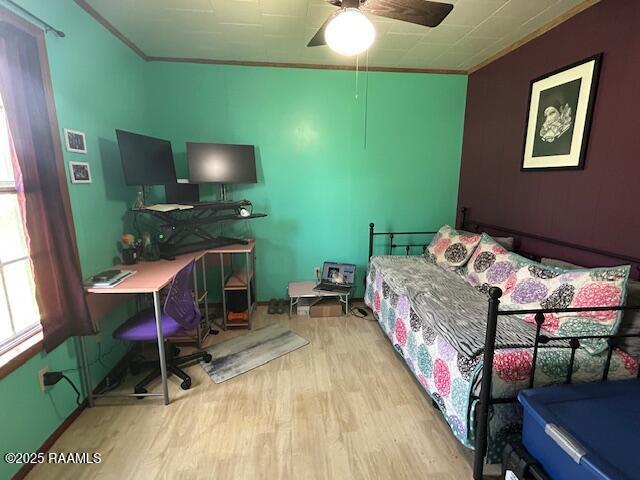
<point x="42" y="189"/>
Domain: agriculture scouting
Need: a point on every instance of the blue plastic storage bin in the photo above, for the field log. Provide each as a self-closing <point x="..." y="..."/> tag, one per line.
<point x="586" y="431"/>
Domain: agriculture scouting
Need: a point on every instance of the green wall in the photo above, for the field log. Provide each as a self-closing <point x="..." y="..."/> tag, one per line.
<point x="328" y="163"/>
<point x="98" y="86"/>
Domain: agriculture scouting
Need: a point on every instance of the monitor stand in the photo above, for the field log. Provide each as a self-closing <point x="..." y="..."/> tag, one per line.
<point x="185" y="230"/>
<point x="141" y="198"/>
<point x="169" y="251"/>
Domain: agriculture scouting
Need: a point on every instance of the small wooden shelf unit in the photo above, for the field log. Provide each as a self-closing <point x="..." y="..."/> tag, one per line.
<point x="242" y="279"/>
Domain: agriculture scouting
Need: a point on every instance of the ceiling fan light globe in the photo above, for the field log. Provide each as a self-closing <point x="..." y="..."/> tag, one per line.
<point x="350" y="32"/>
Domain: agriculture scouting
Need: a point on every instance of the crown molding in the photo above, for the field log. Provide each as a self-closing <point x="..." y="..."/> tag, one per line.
<point x="206" y="61"/>
<point x="109" y="26"/>
<point x="311" y="66"/>
<point x="120" y="36"/>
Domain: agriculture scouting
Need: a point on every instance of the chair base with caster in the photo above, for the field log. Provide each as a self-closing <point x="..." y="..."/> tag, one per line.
<point x="173" y="368"/>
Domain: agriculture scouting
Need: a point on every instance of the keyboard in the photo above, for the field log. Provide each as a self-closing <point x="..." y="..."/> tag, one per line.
<point x="332" y="287"/>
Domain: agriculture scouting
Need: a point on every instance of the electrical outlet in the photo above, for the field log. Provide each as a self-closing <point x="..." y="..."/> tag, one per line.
<point x="41" y="378"/>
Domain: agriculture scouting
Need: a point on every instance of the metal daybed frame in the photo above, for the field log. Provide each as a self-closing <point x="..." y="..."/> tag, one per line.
<point x="485" y="398"/>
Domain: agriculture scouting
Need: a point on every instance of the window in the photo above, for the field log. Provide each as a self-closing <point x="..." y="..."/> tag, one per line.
<point x="19" y="314"/>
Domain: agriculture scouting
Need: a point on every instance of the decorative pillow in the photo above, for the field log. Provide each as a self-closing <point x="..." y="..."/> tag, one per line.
<point x="630" y="322"/>
<point x="506" y="242"/>
<point x="450" y="248"/>
<point x="491" y="265"/>
<point x="529" y="285"/>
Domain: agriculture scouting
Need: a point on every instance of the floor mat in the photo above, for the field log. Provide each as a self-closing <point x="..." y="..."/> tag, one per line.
<point x="241" y="354"/>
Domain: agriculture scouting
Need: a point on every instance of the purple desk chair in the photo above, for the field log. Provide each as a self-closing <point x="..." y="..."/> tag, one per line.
<point x="180" y="314"/>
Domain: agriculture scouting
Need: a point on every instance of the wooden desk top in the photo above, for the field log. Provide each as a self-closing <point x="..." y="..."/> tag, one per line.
<point x="153" y="276"/>
<point x="150" y="276"/>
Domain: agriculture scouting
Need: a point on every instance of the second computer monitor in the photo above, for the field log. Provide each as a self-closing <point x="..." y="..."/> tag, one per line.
<point x="221" y="163"/>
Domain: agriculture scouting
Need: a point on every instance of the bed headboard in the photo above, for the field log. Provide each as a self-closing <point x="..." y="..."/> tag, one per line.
<point x="467" y="223"/>
<point x="410" y="242"/>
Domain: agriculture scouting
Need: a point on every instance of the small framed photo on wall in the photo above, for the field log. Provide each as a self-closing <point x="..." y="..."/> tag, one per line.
<point x="559" y="116"/>
<point x="75" y="141"/>
<point x="80" y="172"/>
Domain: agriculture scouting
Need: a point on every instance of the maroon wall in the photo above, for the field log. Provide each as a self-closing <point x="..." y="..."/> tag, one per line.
<point x="598" y="206"/>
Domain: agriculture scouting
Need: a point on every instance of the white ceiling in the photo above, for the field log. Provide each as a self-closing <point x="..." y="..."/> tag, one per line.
<point x="278" y="30"/>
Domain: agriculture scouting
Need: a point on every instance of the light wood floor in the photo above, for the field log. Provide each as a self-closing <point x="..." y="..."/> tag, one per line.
<point x="341" y="407"/>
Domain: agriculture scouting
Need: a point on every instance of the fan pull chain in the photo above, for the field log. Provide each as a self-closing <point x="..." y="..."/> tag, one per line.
<point x="366" y="99"/>
<point x="357" y="63"/>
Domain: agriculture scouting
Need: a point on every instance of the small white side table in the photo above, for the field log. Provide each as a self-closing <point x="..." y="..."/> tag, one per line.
<point x="298" y="290"/>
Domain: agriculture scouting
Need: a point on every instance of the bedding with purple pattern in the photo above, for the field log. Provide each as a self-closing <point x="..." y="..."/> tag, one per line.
<point x="425" y="310"/>
<point x="526" y="284"/>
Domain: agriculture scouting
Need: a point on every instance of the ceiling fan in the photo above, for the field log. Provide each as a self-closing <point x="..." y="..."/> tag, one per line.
<point x="349" y="31"/>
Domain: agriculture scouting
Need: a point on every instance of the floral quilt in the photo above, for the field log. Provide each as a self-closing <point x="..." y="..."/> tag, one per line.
<point x="450" y="371"/>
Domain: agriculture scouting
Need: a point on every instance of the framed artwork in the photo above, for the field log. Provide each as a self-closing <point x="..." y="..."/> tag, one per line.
<point x="80" y="172"/>
<point x="75" y="141"/>
<point x="559" y="116"/>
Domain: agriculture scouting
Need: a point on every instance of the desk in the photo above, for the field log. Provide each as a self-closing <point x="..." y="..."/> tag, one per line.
<point x="150" y="277"/>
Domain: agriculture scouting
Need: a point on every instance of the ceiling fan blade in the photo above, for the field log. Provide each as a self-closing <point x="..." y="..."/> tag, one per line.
<point x="421" y="12"/>
<point x="318" y="38"/>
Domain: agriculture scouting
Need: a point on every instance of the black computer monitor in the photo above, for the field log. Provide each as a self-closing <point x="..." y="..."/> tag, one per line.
<point x="221" y="163"/>
<point x="146" y="160"/>
<point x="185" y="193"/>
